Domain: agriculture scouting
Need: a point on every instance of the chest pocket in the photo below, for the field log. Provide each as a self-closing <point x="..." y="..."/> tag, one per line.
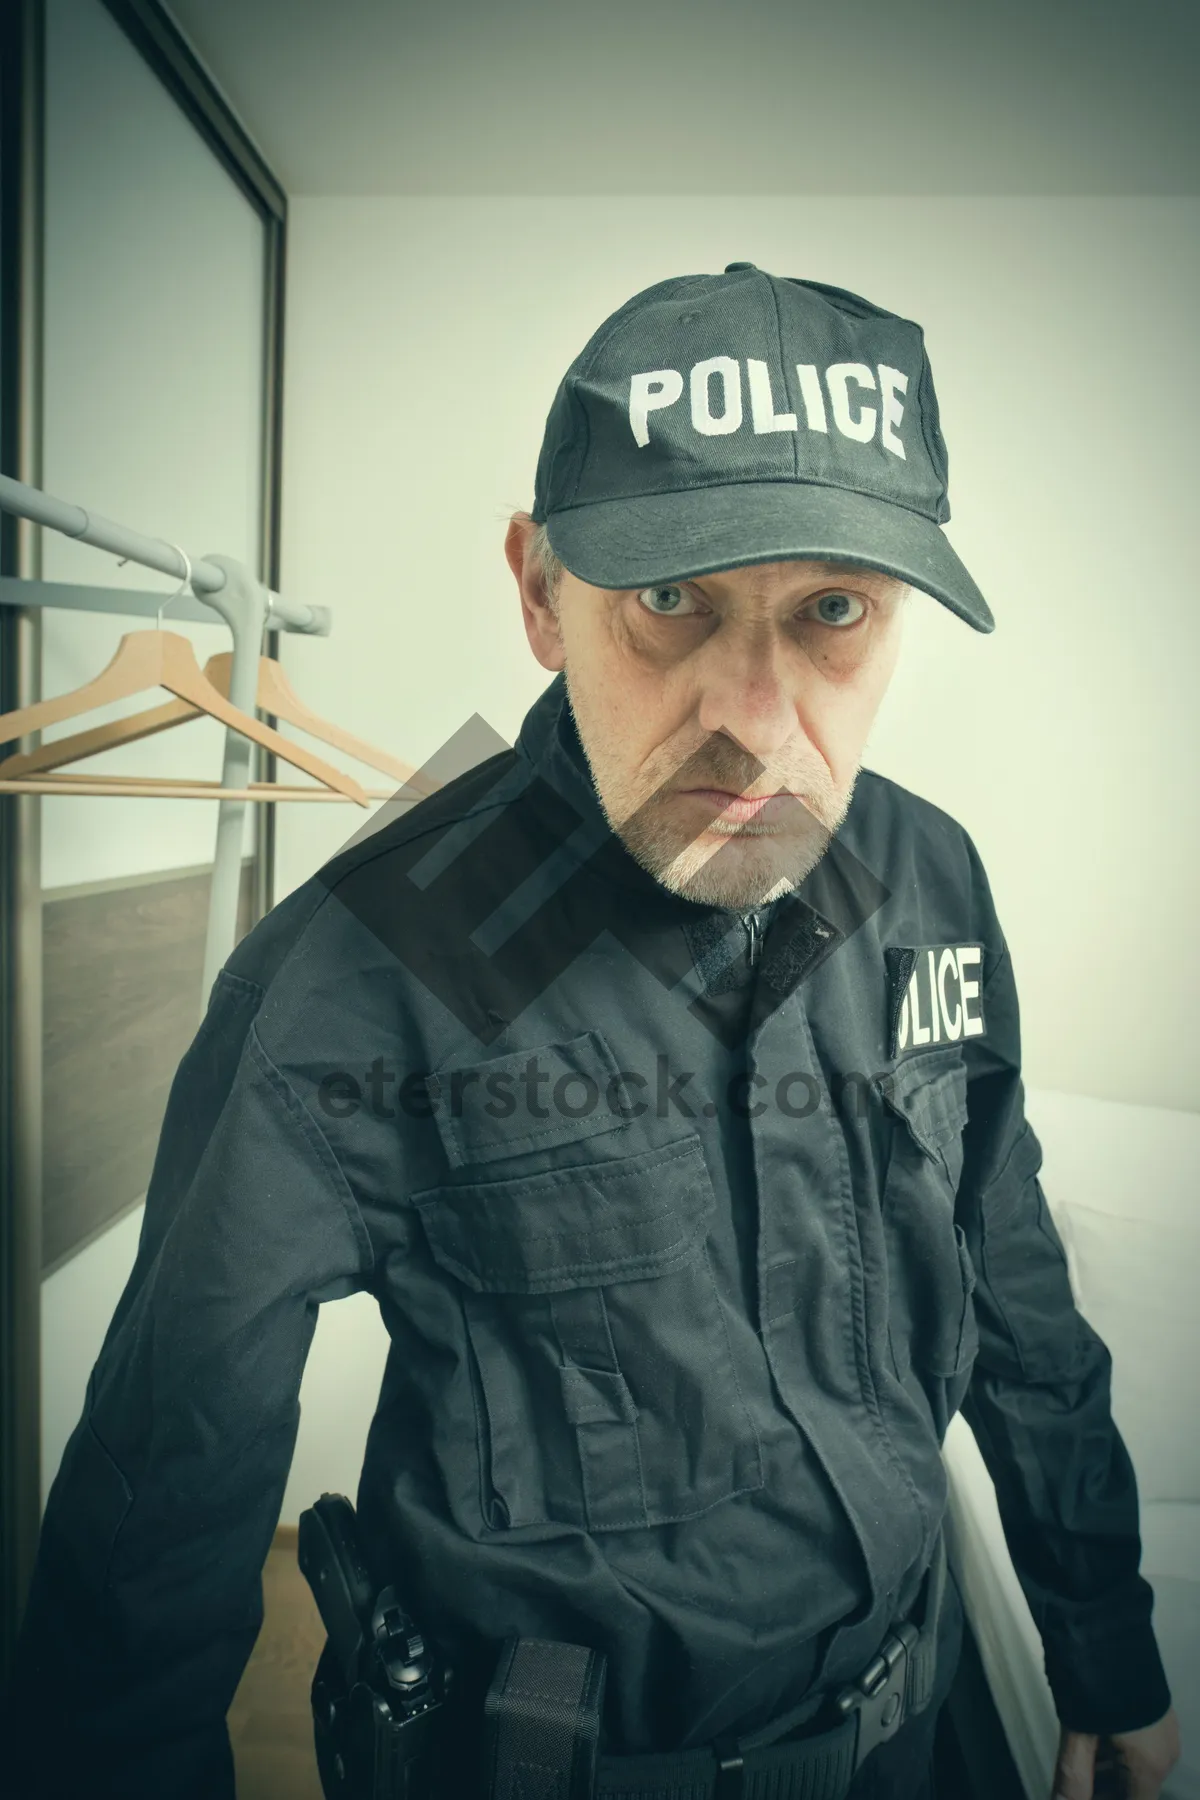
<point x="610" y="1398"/>
<point x="931" y="1279"/>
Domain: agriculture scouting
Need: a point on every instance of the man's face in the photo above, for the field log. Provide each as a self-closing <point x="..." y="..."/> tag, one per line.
<point x="723" y="717"/>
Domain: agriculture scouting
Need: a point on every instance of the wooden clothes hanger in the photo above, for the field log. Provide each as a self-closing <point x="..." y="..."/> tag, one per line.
<point x="147" y="659"/>
<point x="275" y="695"/>
<point x="160" y="787"/>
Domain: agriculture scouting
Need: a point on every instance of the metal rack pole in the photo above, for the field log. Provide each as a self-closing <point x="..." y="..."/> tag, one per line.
<point x="242" y="602"/>
<point x="208" y="575"/>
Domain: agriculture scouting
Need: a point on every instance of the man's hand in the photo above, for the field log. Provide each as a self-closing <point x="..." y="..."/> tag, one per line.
<point x="1129" y="1765"/>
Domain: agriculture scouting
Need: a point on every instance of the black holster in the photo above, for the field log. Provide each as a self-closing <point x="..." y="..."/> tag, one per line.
<point x="379" y="1694"/>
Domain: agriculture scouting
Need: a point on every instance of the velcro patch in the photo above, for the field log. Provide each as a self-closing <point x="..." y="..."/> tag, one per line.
<point x="934" y="995"/>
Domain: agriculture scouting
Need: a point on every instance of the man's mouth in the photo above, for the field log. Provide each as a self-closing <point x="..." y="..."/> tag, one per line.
<point x="770" y="808"/>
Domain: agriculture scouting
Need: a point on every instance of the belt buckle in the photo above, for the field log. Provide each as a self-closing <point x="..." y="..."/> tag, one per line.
<point x="877" y="1696"/>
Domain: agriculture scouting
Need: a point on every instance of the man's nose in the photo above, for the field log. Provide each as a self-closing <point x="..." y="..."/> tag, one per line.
<point x="747" y="693"/>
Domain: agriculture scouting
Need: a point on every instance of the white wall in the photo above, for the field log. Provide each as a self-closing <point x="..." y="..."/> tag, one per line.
<point x="426" y="338"/>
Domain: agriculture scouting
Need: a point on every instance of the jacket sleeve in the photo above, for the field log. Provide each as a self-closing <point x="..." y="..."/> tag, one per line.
<point x="146" y="1596"/>
<point x="1039" y="1406"/>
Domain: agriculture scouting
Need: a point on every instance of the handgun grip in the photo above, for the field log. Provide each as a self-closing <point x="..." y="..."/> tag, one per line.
<point x="331" y="1559"/>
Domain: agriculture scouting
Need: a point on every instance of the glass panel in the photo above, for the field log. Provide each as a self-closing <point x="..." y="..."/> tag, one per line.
<point x="154" y="302"/>
<point x="155" y="266"/>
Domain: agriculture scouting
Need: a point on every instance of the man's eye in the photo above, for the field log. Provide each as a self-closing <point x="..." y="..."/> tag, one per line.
<point x="665" y="601"/>
<point x="838" y="609"/>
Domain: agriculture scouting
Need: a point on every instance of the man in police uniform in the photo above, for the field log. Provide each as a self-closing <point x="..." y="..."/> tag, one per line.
<point x="661" y="1079"/>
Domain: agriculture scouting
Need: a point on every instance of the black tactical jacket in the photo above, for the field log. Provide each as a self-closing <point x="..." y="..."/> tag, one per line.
<point x="691" y="1233"/>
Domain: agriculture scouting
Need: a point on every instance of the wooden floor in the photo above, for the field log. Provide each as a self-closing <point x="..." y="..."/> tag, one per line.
<point x="270" y="1721"/>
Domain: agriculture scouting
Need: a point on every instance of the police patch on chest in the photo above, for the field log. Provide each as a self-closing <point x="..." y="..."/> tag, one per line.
<point x="934" y="995"/>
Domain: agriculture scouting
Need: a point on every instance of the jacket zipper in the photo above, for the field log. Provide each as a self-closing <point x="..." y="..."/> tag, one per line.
<point x="754" y="934"/>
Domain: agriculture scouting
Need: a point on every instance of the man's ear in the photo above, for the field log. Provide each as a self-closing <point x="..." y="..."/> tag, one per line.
<point x="541" y="624"/>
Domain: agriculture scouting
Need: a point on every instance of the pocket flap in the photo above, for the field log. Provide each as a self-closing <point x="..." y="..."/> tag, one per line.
<point x="930" y="1094"/>
<point x="585" y="1226"/>
<point x="503" y="1107"/>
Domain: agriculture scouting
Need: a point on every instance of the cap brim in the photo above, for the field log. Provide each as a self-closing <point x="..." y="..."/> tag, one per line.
<point x="632" y="542"/>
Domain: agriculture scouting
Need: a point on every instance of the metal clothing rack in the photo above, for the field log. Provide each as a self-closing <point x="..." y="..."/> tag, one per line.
<point x="220" y="584"/>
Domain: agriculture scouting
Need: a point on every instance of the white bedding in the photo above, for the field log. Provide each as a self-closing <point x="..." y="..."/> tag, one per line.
<point x="1121" y="1182"/>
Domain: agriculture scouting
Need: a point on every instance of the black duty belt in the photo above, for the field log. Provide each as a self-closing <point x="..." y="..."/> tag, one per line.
<point x="543" y="1709"/>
